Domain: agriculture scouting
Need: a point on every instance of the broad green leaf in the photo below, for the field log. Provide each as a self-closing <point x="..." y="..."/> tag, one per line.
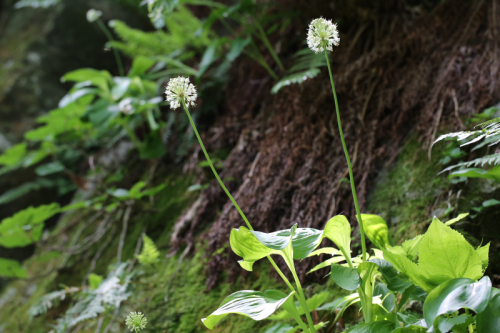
<point x="490" y="203"/>
<point x="458" y="323"/>
<point x="11" y="268"/>
<point x="338" y="230"/>
<point x="410" y="269"/>
<point x="483" y="252"/>
<point x="140" y="65"/>
<point x="237" y="46"/>
<point x="388" y="298"/>
<point x="253" y="304"/>
<point x="327" y="263"/>
<point x="456" y="294"/>
<point x="412" y="246"/>
<point x="25" y="227"/>
<point x="391" y="277"/>
<point x="444" y="254"/>
<point x="255" y="245"/>
<point x="13" y="155"/>
<point x="101" y="79"/>
<point x="324" y="250"/>
<point x="120" y="87"/>
<point x="376" y="327"/>
<point x="376" y="230"/>
<point x="75" y="95"/>
<point x="345" y="277"/>
<point x="493" y="174"/>
<point x="120" y="193"/>
<point x="488" y="321"/>
<point x="49" y="168"/>
<point x="304" y="241"/>
<point x="456" y="219"/>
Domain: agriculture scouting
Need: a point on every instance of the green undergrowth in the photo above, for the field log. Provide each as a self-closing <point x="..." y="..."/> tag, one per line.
<point x="405" y="190"/>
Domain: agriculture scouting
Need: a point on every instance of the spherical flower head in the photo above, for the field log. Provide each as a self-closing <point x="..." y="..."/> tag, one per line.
<point x="179" y="89"/>
<point x="136" y="321"/>
<point x="93" y="15"/>
<point x="322" y="34"/>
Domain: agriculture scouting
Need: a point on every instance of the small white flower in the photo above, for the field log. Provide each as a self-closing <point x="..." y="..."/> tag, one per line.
<point x="322" y="34"/>
<point x="136" y="321"/>
<point x="179" y="89"/>
<point x="93" y="15"/>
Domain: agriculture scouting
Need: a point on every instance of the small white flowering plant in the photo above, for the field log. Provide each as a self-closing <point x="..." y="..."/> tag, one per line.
<point x="136" y="321"/>
<point x="440" y="267"/>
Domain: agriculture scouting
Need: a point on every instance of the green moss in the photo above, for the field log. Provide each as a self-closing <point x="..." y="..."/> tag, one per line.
<point x="404" y="193"/>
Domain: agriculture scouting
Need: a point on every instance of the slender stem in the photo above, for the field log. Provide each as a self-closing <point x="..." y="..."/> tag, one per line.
<point x="229" y="194"/>
<point x="351" y="176"/>
<point x="264" y="38"/>
<point x="302" y="301"/>
<point x="471" y="327"/>
<point x="115" y="52"/>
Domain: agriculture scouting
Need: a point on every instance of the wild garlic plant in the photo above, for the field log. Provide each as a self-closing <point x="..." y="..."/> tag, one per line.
<point x="439" y="268"/>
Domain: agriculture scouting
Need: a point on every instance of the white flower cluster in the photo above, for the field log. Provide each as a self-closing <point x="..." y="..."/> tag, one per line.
<point x="322" y="34"/>
<point x="179" y="89"/>
<point x="136" y="321"/>
<point x="93" y="15"/>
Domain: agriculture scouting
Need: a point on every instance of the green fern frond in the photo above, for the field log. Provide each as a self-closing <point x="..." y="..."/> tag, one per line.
<point x="183" y="30"/>
<point x="149" y="254"/>
<point x="49" y="300"/>
<point x="306" y="66"/>
<point x="493" y="159"/>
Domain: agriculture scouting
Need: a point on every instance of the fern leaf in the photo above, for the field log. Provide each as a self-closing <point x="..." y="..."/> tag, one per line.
<point x="493" y="159"/>
<point x="149" y="254"/>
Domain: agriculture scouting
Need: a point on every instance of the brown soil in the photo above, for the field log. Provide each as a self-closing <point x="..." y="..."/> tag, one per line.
<point x="399" y="69"/>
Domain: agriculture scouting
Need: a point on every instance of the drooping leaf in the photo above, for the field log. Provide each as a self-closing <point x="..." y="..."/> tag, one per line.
<point x="11" y="269"/>
<point x="488" y="321"/>
<point x="376" y="230"/>
<point x="338" y="230"/>
<point x="444" y="254"/>
<point x="456" y="294"/>
<point x="75" y="95"/>
<point x="25" y="227"/>
<point x="345" y="277"/>
<point x="298" y="77"/>
<point x="255" y="245"/>
<point x="391" y="276"/>
<point x="493" y="174"/>
<point x="253" y="304"/>
<point x="304" y="241"/>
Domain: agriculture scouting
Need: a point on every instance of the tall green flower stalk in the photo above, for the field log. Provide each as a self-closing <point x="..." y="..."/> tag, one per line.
<point x="181" y="91"/>
<point x="321" y="37"/>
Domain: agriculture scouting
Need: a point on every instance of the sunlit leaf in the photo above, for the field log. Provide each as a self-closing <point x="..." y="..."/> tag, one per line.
<point x="304" y="241"/>
<point x="376" y="230"/>
<point x="11" y="268"/>
<point x="345" y="277"/>
<point x="488" y="321"/>
<point x="456" y="294"/>
<point x="327" y="263"/>
<point x="253" y="304"/>
<point x="338" y="230"/>
<point x="456" y="219"/>
<point x="324" y="250"/>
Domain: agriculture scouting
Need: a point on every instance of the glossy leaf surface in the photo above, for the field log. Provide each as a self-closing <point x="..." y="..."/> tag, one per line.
<point x="376" y="230"/>
<point x="338" y="230"/>
<point x="345" y="277"/>
<point x="488" y="321"/>
<point x="304" y="241"/>
<point x="457" y="294"/>
<point x="253" y="304"/>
